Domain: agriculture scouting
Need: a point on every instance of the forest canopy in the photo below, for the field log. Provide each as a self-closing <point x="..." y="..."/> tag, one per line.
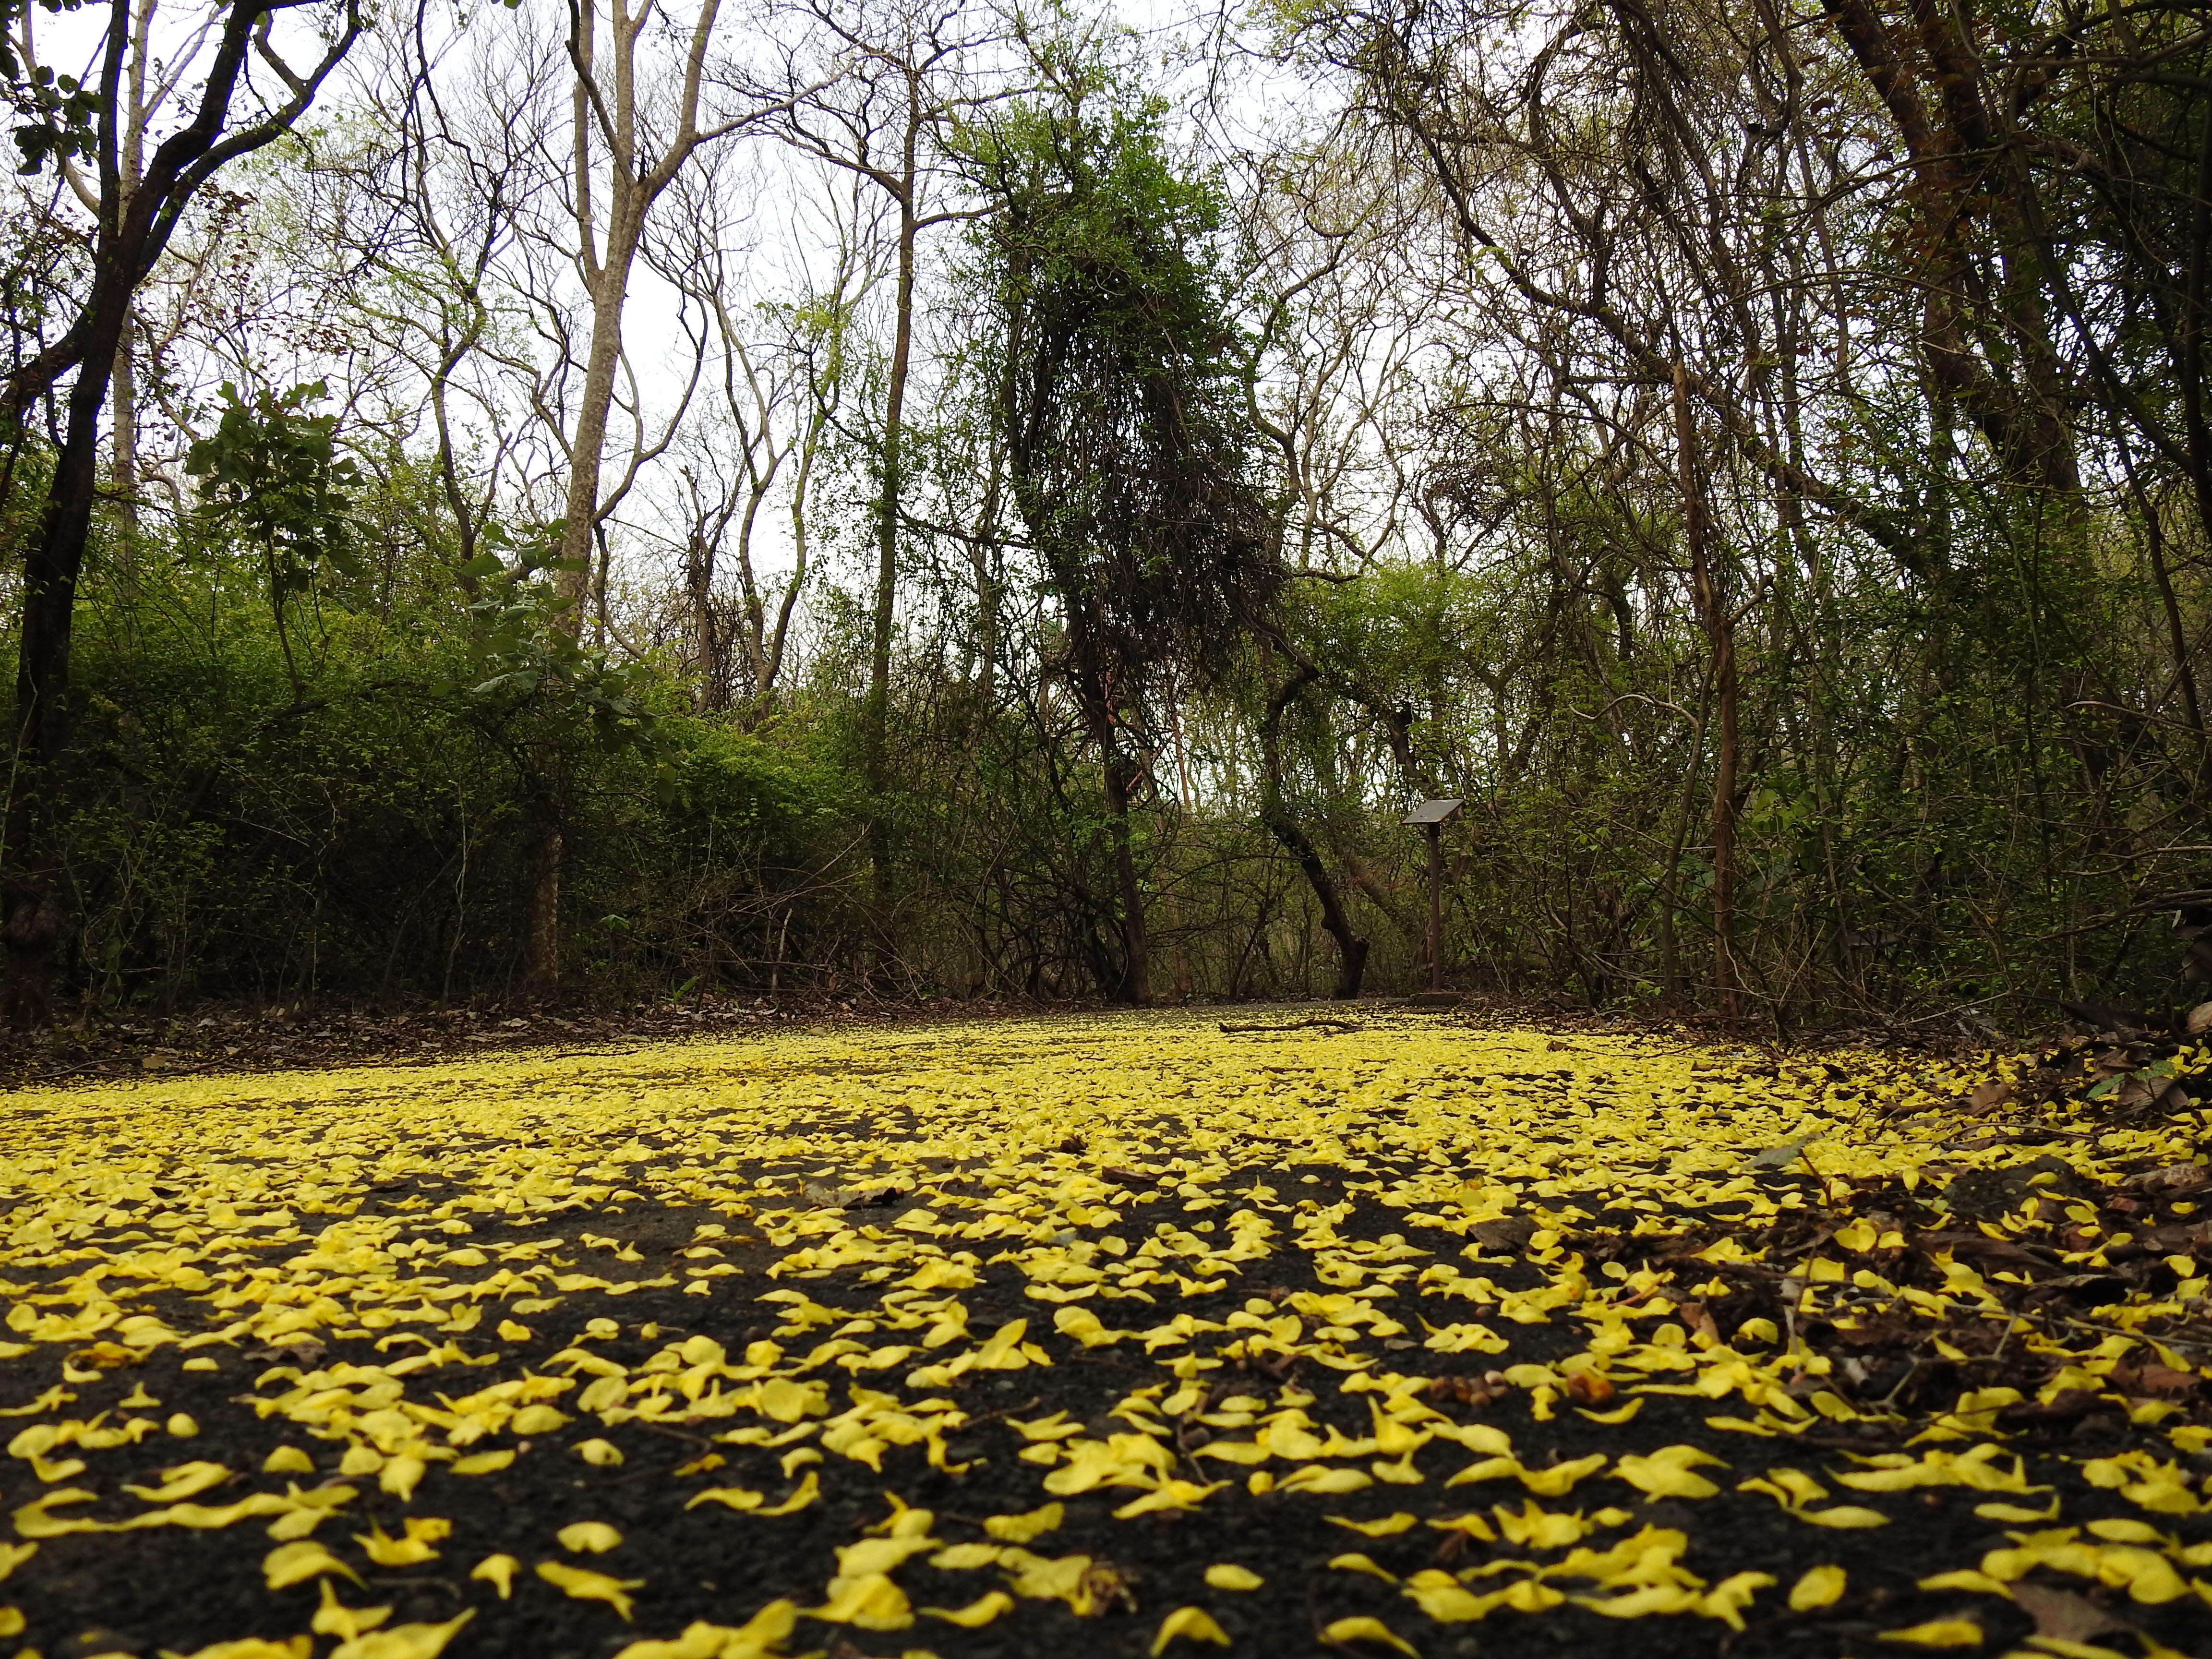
<point x="768" y="494"/>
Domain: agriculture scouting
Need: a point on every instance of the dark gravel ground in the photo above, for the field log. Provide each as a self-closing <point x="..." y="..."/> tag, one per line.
<point x="171" y="1590"/>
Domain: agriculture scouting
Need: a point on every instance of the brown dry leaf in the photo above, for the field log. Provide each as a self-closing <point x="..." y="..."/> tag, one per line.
<point x="2064" y="1616"/>
<point x="1699" y="1318"/>
<point x="2173" y="1179"/>
<point x="1988" y="1096"/>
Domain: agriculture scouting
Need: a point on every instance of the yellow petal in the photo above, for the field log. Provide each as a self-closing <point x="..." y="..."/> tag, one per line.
<point x="761" y="1634"/>
<point x="1618" y="1414"/>
<point x="498" y="1571"/>
<point x="404" y="1641"/>
<point x="387" y="1551"/>
<point x="1328" y="1482"/>
<point x="1967" y="1578"/>
<point x="484" y="1462"/>
<point x="1727" y="1599"/>
<point x="737" y="1497"/>
<point x="1228" y="1576"/>
<point x="869" y="1600"/>
<point x="596" y="1537"/>
<point x="1939" y="1633"/>
<point x="1666" y="1473"/>
<point x="601" y="1454"/>
<point x="2017" y="1514"/>
<point x="1556" y="1481"/>
<point x="966" y="1558"/>
<point x="1365" y="1629"/>
<point x="585" y="1585"/>
<point x="1819" y="1586"/>
<point x="1389" y="1526"/>
<point x="335" y="1619"/>
<point x="184" y="1480"/>
<point x="400" y="1476"/>
<point x="1020" y="1528"/>
<point x="292" y="1564"/>
<point x="1843" y="1514"/>
<point x="1192" y="1625"/>
<point x="977" y="1613"/>
<point x="288" y="1460"/>
<point x="700" y="1640"/>
<point x="806" y="1491"/>
<point x="1355" y="1562"/>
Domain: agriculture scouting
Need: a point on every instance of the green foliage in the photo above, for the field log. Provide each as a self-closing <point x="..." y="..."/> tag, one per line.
<point x="54" y="113"/>
<point x="526" y="658"/>
<point x="272" y="475"/>
<point x="1116" y="376"/>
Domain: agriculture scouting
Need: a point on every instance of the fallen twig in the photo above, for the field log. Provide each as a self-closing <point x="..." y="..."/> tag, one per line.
<point x="1297" y="1025"/>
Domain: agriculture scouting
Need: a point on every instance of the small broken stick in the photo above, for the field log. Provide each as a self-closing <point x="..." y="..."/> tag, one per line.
<point x="849" y="1198"/>
<point x="1297" y="1025"/>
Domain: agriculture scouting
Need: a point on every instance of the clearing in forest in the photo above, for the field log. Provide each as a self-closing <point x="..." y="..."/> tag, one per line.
<point x="1105" y="1335"/>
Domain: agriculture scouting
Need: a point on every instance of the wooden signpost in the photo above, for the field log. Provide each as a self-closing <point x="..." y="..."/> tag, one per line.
<point x="1431" y="816"/>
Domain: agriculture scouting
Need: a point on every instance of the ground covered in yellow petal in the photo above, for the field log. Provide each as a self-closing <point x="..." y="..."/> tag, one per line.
<point x="1107" y="1336"/>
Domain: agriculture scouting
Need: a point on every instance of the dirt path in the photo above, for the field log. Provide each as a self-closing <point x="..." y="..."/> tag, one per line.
<point x="1102" y="1336"/>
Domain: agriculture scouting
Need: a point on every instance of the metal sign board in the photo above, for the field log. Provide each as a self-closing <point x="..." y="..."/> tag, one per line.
<point x="1432" y="811"/>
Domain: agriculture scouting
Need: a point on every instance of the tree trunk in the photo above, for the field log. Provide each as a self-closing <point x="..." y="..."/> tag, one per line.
<point x="1351" y="946"/>
<point x="1094" y="694"/>
<point x="30" y="927"/>
<point x="56" y="558"/>
<point x="541" y="971"/>
<point x="132" y="231"/>
<point x="1120" y="777"/>
<point x="51" y="569"/>
<point x="877" y="738"/>
<point x="1720" y="628"/>
<point x="587" y="448"/>
<point x="707" y="640"/>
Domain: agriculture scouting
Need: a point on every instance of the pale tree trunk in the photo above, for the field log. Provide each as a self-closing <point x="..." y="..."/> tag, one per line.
<point x="606" y="109"/>
<point x="884" y="144"/>
<point x="888" y="506"/>
<point x="123" y="397"/>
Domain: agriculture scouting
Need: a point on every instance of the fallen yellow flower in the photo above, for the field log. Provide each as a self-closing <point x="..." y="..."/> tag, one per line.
<point x="404" y="1641"/>
<point x="1366" y="1628"/>
<point x="1666" y="1473"/>
<point x="1031" y="1523"/>
<point x="1938" y="1633"/>
<point x="498" y="1571"/>
<point x="585" y="1585"/>
<point x="1190" y="1625"/>
<point x="1819" y="1587"/>
<point x="977" y="1613"/>
<point x="292" y="1564"/>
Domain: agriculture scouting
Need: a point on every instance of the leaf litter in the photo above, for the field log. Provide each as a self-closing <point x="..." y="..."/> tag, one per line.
<point x="1108" y="1335"/>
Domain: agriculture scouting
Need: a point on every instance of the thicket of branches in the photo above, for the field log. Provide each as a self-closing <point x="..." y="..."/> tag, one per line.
<point x="905" y="499"/>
